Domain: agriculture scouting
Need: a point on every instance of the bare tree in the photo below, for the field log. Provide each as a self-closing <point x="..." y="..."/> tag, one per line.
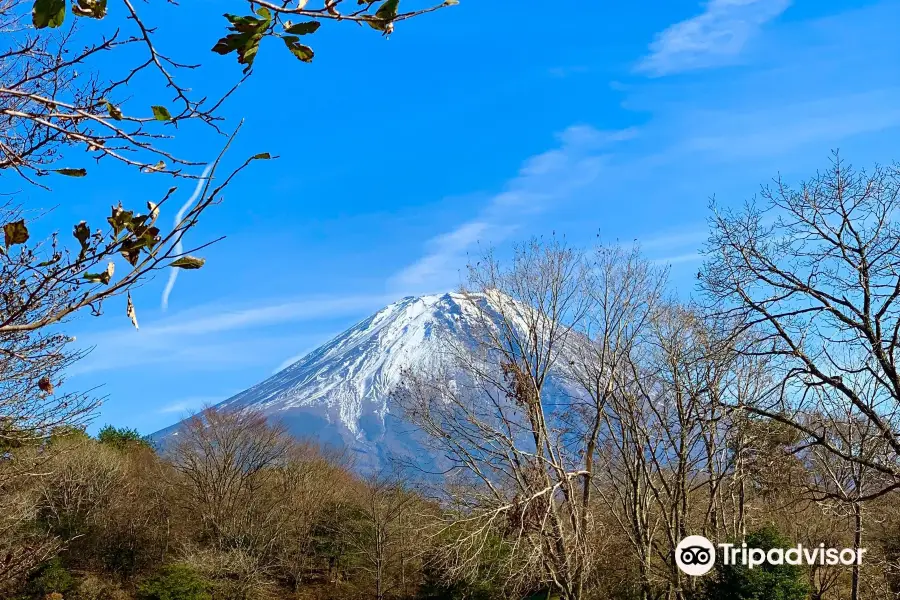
<point x="22" y="543"/>
<point x="666" y="443"/>
<point x="229" y="465"/>
<point x="624" y="297"/>
<point x="811" y="275"/>
<point x="840" y="486"/>
<point x="310" y="482"/>
<point x="380" y="535"/>
<point x="520" y="471"/>
<point x="82" y="480"/>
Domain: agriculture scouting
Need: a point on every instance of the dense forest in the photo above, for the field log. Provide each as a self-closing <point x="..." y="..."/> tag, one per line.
<point x="239" y="510"/>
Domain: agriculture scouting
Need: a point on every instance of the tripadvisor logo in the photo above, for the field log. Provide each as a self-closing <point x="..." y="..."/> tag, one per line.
<point x="695" y="555"/>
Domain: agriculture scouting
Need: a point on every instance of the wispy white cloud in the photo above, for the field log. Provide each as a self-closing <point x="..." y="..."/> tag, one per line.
<point x="584" y="137"/>
<point x="190" y="404"/>
<point x="542" y="180"/>
<point x="714" y="37"/>
<point x="772" y="130"/>
<point x="215" y="337"/>
<point x="678" y="259"/>
<point x="673" y="247"/>
<point x="219" y="319"/>
<point x="445" y="252"/>
<point x="663" y="241"/>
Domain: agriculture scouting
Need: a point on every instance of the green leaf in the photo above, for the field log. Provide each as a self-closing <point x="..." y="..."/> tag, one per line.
<point x="304" y="53"/>
<point x="244" y="44"/>
<point x="144" y="237"/>
<point x="130" y="253"/>
<point x="261" y="156"/>
<point x="159" y="166"/>
<point x="189" y="262"/>
<point x="303" y="28"/>
<point x="238" y="20"/>
<point x="15" y="233"/>
<point x="82" y="233"/>
<point x="51" y="261"/>
<point x="161" y="113"/>
<point x="388" y="10"/>
<point x="95" y="9"/>
<point x="114" y="111"/>
<point x="374" y="23"/>
<point x="96" y="277"/>
<point x="264" y="13"/>
<point x="71" y="172"/>
<point x="249" y="31"/>
<point x="120" y="219"/>
<point x="105" y="277"/>
<point x="48" y="13"/>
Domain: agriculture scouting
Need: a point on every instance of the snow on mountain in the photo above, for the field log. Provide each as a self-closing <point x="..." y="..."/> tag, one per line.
<point x="340" y="393"/>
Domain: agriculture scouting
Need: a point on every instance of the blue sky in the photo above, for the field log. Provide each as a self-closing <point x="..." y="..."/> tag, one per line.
<point x="482" y="124"/>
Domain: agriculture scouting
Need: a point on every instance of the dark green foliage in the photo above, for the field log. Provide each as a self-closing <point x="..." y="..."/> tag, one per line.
<point x="14" y="436"/>
<point x="50" y="577"/>
<point x="482" y="587"/>
<point x="48" y="13"/>
<point x="325" y="544"/>
<point x="161" y="113"/>
<point x="304" y="53"/>
<point x="433" y="588"/>
<point x="302" y="28"/>
<point x="65" y="432"/>
<point x="122" y="438"/>
<point x="247" y="32"/>
<point x="175" y="582"/>
<point x="189" y="262"/>
<point x="765" y="582"/>
<point x="123" y="555"/>
<point x="71" y="172"/>
<point x="52" y="13"/>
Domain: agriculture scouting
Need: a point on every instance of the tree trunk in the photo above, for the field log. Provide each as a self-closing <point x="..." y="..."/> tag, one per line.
<point x="857" y="544"/>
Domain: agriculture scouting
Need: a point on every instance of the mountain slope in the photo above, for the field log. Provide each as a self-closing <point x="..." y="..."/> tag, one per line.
<point x="340" y="393"/>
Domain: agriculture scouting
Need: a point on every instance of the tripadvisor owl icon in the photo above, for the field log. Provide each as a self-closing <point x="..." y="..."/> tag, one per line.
<point x="695" y="555"/>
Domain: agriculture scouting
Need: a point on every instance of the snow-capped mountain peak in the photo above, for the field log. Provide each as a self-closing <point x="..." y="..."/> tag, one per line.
<point x="341" y="392"/>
